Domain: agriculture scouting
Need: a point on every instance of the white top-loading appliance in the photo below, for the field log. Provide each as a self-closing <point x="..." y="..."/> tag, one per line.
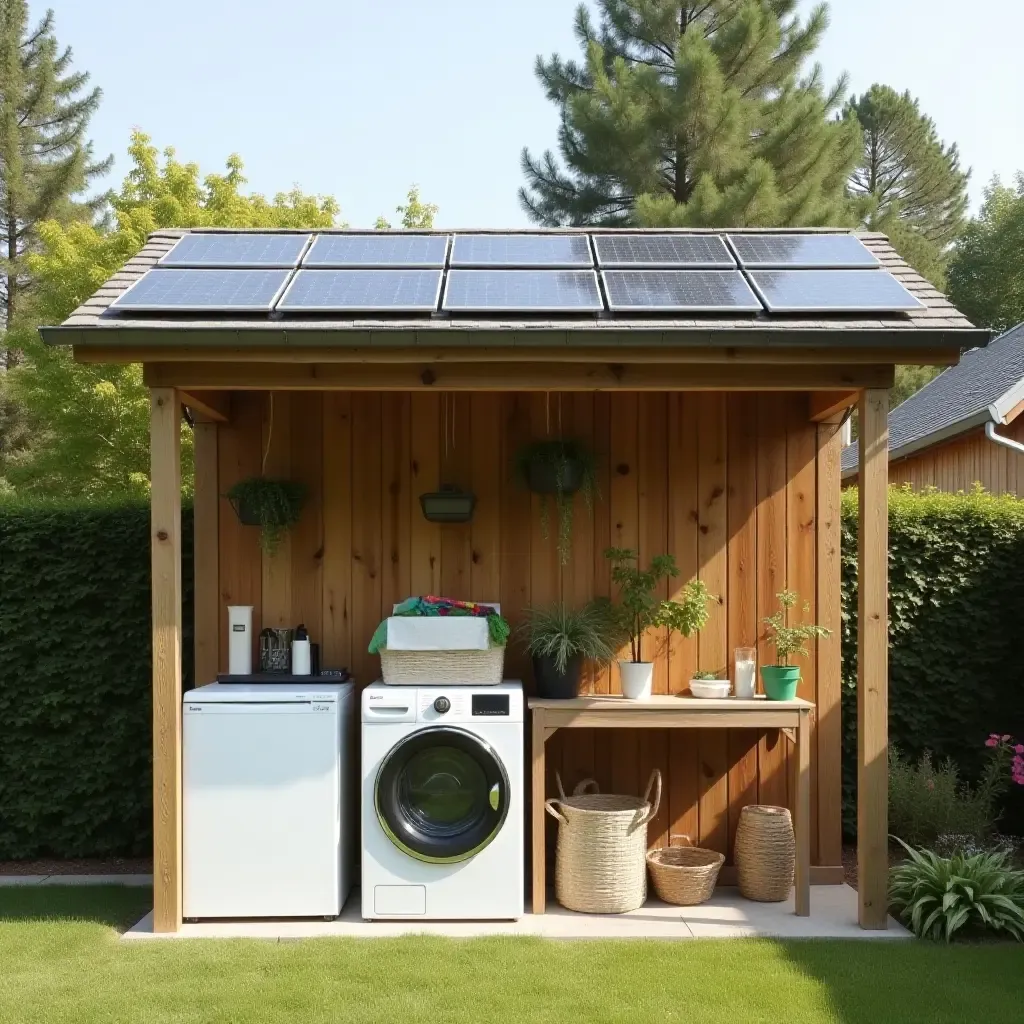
<point x="266" y="799"/>
<point x="442" y="801"/>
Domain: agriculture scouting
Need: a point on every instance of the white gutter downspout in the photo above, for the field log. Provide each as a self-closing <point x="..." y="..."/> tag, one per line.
<point x="990" y="433"/>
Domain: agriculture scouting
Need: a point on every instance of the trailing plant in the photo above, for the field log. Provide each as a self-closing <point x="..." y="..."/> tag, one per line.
<point x="275" y="504"/>
<point x="561" y="633"/>
<point x="704" y="675"/>
<point x="789" y="640"/>
<point x="939" y="897"/>
<point x="560" y="461"/>
<point x="640" y="610"/>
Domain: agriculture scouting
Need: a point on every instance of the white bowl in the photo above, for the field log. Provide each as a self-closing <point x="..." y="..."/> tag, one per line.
<point x="709" y="687"/>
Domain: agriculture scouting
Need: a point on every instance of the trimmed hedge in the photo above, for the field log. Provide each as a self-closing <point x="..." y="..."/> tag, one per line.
<point x="75" y="773"/>
<point x="956" y="612"/>
<point x="75" y="728"/>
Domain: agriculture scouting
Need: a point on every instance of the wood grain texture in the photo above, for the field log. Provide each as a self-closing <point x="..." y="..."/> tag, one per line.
<point x="367" y="535"/>
<point x="425" y="472"/>
<point x="829" y="731"/>
<point x="165" y="539"/>
<point x="872" y="662"/>
<point x="337" y="526"/>
<point x="277" y="464"/>
<point x="307" y="536"/>
<point x="206" y="579"/>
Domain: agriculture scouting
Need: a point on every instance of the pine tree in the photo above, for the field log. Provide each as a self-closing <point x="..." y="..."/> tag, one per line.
<point x="911" y="183"/>
<point x="694" y="113"/>
<point x="46" y="162"/>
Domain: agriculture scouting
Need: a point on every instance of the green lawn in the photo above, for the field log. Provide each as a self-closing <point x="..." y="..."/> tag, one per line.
<point x="61" y="961"/>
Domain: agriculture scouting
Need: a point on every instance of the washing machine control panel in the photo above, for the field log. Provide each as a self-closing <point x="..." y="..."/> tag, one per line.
<point x="442" y="705"/>
<point x="462" y="704"/>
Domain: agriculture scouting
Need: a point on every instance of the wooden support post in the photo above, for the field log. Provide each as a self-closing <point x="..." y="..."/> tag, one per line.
<point x="165" y="475"/>
<point x="205" y="554"/>
<point x="872" y="662"/>
<point x="539" y="868"/>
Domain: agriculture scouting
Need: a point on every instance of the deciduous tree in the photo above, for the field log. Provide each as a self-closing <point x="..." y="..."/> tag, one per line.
<point x="694" y="113"/>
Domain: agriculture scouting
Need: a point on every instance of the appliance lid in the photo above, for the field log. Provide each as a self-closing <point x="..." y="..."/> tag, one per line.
<point x="276" y="693"/>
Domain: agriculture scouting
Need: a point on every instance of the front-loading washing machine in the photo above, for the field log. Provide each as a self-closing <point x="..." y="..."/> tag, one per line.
<point x="442" y="802"/>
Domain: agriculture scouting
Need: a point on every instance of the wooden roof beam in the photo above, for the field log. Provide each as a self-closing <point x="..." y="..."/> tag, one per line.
<point x="831" y="406"/>
<point x="208" y="406"/>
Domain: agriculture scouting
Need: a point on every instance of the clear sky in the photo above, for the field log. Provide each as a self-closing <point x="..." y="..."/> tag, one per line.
<point x="360" y="98"/>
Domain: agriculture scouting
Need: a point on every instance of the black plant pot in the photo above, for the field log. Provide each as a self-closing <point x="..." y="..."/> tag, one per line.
<point x="562" y="477"/>
<point x="551" y="683"/>
<point x="247" y="512"/>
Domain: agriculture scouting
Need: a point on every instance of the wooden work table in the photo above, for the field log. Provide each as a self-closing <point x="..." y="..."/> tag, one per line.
<point x="663" y="711"/>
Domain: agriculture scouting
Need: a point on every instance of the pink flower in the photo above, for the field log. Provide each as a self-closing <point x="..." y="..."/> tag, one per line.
<point x="1019" y="749"/>
<point x="992" y="741"/>
<point x="1007" y="737"/>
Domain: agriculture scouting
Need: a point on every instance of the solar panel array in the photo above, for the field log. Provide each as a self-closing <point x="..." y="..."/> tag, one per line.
<point x="294" y="273"/>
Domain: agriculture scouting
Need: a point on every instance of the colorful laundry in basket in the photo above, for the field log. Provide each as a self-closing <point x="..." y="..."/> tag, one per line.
<point x="498" y="628"/>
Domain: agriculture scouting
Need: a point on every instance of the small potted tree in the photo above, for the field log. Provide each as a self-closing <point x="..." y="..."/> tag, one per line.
<point x="640" y="610"/>
<point x="781" y="679"/>
<point x="560" y="639"/>
<point x="272" y="505"/>
<point x="556" y="468"/>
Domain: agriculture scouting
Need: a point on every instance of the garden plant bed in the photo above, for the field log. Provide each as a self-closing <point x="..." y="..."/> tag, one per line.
<point x="79" y="866"/>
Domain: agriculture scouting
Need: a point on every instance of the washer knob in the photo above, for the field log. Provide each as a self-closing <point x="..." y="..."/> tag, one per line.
<point x="442" y="705"/>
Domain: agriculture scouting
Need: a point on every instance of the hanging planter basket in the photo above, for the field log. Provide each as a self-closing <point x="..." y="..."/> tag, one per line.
<point x="565" y="477"/>
<point x="273" y="505"/>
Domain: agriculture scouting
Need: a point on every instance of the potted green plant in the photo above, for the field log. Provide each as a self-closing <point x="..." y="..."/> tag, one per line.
<point x="560" y="639"/>
<point x="272" y="505"/>
<point x="781" y="679"/>
<point x="556" y="468"/>
<point x="640" y="610"/>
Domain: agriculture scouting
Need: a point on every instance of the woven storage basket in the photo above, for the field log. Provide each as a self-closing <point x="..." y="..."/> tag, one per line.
<point x="600" y="859"/>
<point x="684" y="875"/>
<point x="765" y="853"/>
<point x="452" y="668"/>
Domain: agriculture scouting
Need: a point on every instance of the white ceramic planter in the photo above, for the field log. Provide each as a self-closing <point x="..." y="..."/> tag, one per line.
<point x="636" y="677"/>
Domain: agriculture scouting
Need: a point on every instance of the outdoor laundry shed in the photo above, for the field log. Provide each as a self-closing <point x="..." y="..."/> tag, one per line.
<point x="718" y="440"/>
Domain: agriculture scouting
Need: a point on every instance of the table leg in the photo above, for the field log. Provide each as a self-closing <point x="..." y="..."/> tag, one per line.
<point x="803" y="817"/>
<point x="537" y="828"/>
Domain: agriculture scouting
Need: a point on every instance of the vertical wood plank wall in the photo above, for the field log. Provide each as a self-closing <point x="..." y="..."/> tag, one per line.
<point x="741" y="488"/>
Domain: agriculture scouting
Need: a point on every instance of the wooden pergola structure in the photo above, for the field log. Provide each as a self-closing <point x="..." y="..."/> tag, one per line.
<point x="717" y="439"/>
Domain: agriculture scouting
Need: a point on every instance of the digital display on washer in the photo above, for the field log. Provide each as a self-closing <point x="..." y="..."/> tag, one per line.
<point x="490" y="704"/>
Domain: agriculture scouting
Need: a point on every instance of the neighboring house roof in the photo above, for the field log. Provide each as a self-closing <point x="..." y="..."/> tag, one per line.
<point x="938" y="324"/>
<point x="985" y="386"/>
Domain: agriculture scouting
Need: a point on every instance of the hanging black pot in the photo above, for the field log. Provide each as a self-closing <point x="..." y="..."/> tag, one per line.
<point x="561" y="476"/>
<point x="247" y="510"/>
<point x="555" y="685"/>
<point x="448" y="505"/>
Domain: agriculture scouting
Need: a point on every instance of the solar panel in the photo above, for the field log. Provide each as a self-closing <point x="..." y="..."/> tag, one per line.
<point x="216" y="249"/>
<point x="524" y="291"/>
<point x="377" y="250"/>
<point x="792" y="252"/>
<point x="832" y="291"/>
<point x="695" y="251"/>
<point x="211" y="291"/>
<point x="390" y="291"/>
<point x="521" y="251"/>
<point x="697" y="291"/>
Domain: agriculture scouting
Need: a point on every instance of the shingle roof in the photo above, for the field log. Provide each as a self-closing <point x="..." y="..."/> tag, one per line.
<point x="938" y="323"/>
<point x="958" y="399"/>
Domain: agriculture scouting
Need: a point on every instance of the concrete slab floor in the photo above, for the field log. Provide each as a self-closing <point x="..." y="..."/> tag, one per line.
<point x="726" y="915"/>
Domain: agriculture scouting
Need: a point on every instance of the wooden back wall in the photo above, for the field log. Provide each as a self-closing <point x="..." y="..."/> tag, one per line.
<point x="740" y="487"/>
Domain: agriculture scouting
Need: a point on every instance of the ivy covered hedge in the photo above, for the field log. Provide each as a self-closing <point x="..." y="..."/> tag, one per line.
<point x="956" y="634"/>
<point x="75" y="762"/>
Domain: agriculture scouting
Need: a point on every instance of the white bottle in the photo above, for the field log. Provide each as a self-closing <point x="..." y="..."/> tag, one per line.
<point x="240" y="639"/>
<point x="300" y="652"/>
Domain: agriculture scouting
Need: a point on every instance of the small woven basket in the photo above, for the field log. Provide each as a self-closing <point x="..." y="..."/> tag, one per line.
<point x="600" y="858"/>
<point x="684" y="875"/>
<point x="765" y="853"/>
<point x="452" y="668"/>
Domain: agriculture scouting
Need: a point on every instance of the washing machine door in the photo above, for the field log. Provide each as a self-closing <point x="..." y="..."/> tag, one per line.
<point x="442" y="794"/>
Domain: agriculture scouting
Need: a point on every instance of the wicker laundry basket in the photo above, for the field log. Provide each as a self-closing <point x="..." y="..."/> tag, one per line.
<point x="765" y="853"/>
<point x="452" y="668"/>
<point x="600" y="859"/>
<point x="684" y="875"/>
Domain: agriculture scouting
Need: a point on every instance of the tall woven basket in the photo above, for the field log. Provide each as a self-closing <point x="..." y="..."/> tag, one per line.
<point x="765" y="853"/>
<point x="600" y="859"/>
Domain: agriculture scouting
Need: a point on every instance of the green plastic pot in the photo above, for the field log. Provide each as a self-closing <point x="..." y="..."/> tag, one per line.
<point x="780" y="681"/>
